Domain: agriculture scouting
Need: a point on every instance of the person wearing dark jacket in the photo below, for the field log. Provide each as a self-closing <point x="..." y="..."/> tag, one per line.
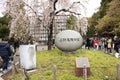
<point x="5" y="52"/>
<point x="117" y="44"/>
<point x="88" y="43"/>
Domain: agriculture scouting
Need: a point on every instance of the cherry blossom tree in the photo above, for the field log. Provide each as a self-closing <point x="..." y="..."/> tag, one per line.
<point x="48" y="9"/>
<point x="19" y="23"/>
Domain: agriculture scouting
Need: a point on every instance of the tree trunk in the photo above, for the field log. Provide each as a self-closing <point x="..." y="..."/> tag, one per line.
<point x="50" y="37"/>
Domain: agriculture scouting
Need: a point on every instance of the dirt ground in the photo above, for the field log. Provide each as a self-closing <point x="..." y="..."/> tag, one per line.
<point x="6" y="75"/>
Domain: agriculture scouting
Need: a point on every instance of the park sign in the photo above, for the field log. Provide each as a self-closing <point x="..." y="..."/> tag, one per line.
<point x="68" y="40"/>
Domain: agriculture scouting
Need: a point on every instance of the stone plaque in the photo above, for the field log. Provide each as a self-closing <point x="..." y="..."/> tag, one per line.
<point x="79" y="66"/>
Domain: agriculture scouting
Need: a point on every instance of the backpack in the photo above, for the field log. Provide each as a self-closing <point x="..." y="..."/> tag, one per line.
<point x="12" y="49"/>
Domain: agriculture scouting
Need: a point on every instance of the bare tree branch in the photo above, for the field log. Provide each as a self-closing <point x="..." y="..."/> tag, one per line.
<point x="66" y="10"/>
<point x="78" y="2"/>
<point x="32" y="10"/>
<point x="55" y="4"/>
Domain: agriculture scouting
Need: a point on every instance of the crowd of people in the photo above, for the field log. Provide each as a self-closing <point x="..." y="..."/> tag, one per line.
<point x="110" y="45"/>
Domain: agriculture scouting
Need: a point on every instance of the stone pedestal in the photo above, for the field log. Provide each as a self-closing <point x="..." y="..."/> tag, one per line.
<point x="79" y="66"/>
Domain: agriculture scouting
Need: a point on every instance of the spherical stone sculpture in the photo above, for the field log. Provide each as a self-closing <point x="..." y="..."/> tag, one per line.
<point x="68" y="40"/>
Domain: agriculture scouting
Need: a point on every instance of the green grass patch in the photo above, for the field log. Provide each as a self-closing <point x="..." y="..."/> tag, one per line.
<point x="102" y="65"/>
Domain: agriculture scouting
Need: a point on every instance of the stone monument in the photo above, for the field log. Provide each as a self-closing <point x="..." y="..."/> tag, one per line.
<point x="68" y="40"/>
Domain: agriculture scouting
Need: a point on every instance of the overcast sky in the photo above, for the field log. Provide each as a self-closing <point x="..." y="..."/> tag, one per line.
<point x="92" y="7"/>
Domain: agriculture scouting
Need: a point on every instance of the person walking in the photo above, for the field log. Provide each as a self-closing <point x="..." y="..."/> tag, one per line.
<point x="88" y="43"/>
<point x="116" y="44"/>
<point x="5" y="52"/>
<point x="95" y="43"/>
<point x="109" y="45"/>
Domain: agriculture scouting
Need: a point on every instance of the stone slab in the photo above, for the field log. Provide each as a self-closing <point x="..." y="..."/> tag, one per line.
<point x="79" y="66"/>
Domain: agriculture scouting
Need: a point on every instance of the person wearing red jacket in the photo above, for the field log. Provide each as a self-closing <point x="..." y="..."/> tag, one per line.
<point x="95" y="43"/>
